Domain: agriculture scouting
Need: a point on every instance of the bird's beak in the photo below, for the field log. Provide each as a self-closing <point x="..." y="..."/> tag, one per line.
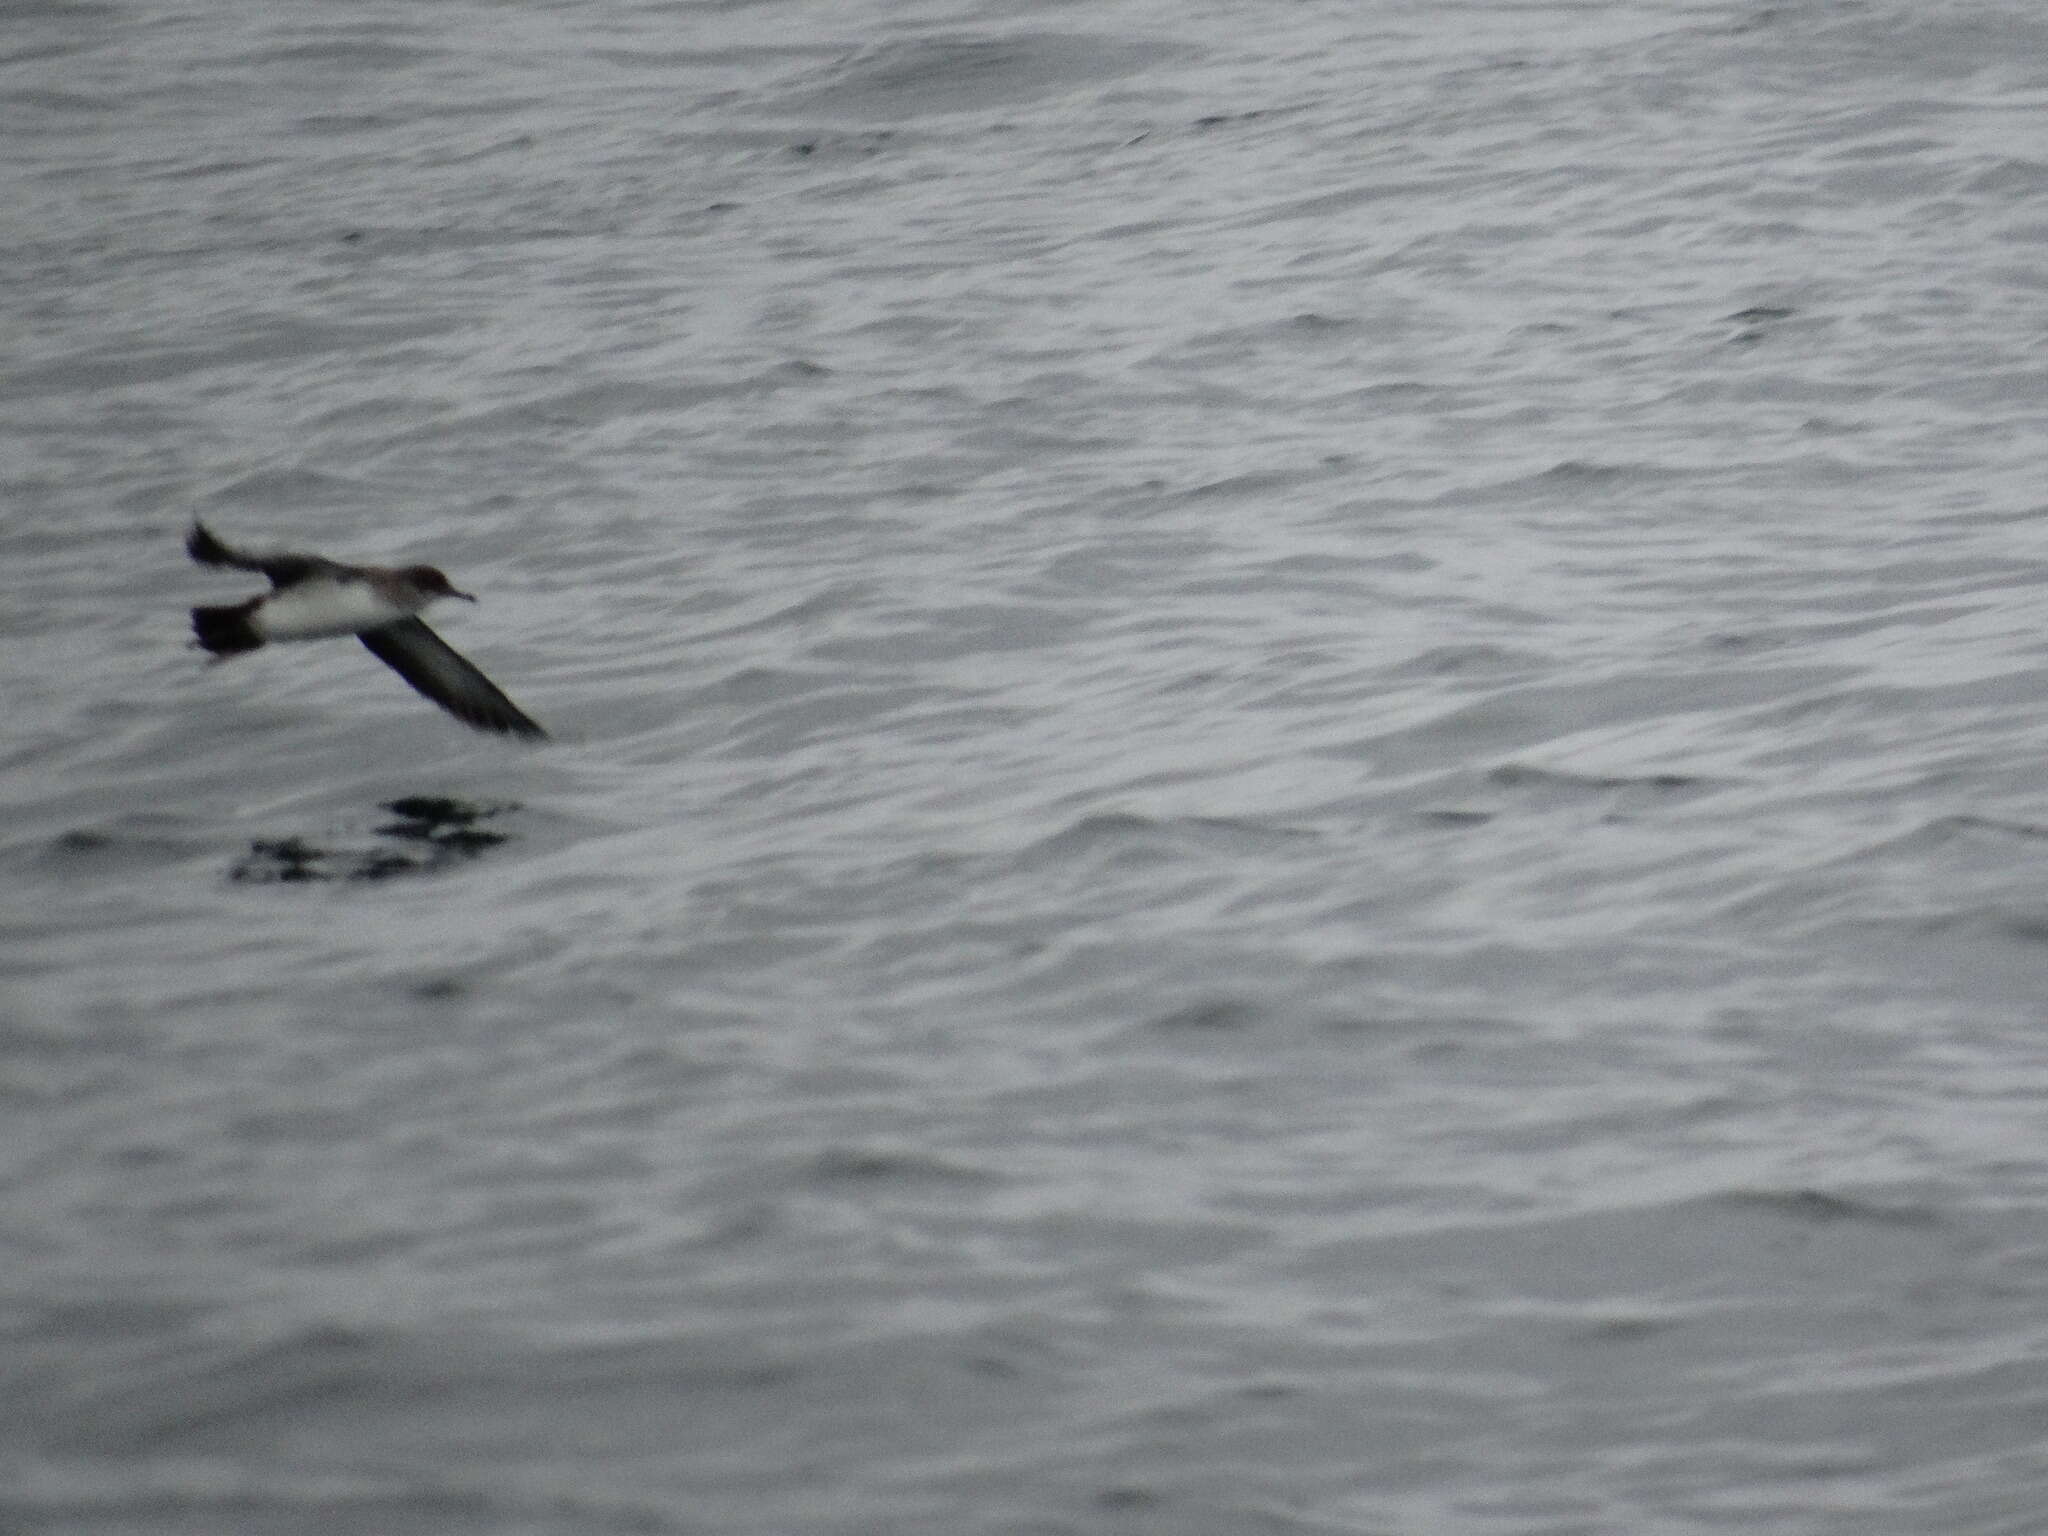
<point x="467" y="597"/>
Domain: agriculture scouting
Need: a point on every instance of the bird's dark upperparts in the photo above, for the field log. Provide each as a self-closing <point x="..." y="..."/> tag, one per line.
<point x="313" y="598"/>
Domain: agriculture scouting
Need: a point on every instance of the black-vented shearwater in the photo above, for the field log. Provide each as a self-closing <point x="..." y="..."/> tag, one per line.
<point x="312" y="598"/>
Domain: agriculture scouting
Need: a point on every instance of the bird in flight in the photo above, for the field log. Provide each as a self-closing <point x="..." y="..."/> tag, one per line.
<point x="312" y="598"/>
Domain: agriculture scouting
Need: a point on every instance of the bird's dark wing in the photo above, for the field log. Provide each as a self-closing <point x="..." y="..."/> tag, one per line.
<point x="283" y="570"/>
<point x="436" y="669"/>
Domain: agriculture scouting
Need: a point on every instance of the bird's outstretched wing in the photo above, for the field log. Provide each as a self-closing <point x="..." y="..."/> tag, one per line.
<point x="283" y="570"/>
<point x="441" y="673"/>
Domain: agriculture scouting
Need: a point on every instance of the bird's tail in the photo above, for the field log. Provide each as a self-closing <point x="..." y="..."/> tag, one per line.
<point x="202" y="546"/>
<point x="227" y="631"/>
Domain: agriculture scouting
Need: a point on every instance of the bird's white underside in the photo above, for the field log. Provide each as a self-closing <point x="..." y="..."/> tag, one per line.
<point x="319" y="608"/>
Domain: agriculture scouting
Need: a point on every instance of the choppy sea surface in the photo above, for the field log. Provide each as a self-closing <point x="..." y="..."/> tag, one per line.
<point x="1300" y="769"/>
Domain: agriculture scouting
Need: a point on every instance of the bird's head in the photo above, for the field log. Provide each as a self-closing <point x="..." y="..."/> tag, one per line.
<point x="432" y="581"/>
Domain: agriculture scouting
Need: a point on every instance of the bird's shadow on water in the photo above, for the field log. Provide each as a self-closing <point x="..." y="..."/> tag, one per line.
<point x="431" y="832"/>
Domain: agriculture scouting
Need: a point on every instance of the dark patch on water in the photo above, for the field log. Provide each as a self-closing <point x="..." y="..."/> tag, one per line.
<point x="431" y="833"/>
<point x="1819" y="1206"/>
<point x="1221" y="1013"/>
<point x="442" y="822"/>
<point x="1456" y="818"/>
<point x="1756" y="322"/>
<point x="884" y="1165"/>
<point x="133" y="841"/>
<point x="290" y="859"/>
<point x="1126" y="1497"/>
<point x="930" y="75"/>
<point x="1523" y="775"/>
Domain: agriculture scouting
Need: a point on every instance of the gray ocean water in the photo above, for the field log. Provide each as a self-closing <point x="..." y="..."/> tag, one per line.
<point x="1300" y="775"/>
